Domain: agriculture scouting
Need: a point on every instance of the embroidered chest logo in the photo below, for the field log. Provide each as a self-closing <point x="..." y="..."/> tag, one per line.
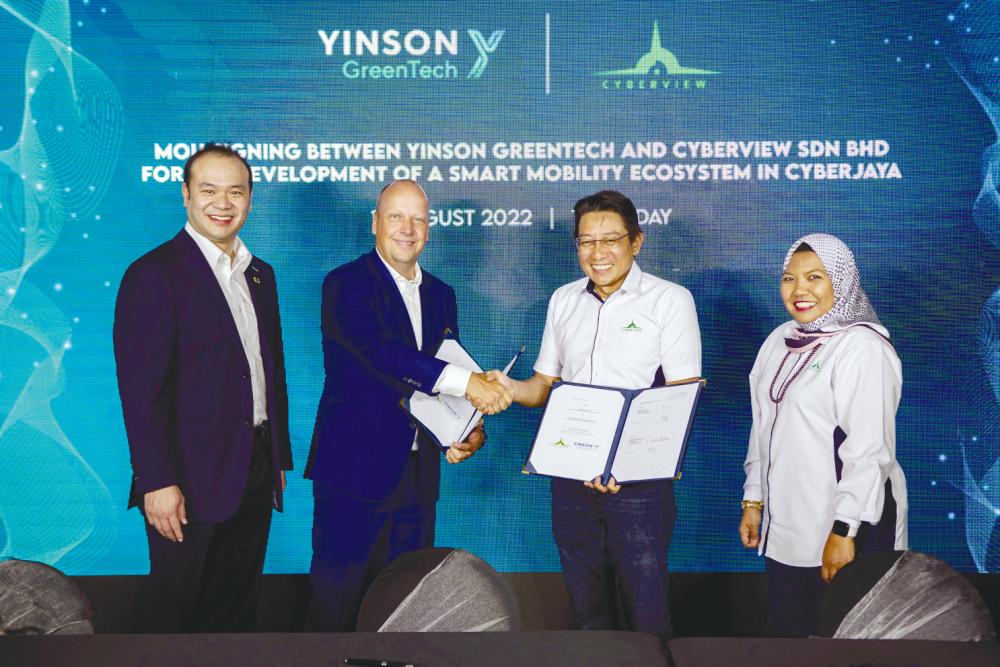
<point x="559" y="443"/>
<point x="631" y="327"/>
<point x="815" y="366"/>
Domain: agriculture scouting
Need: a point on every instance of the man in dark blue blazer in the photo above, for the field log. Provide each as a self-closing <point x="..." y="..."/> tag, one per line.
<point x="201" y="376"/>
<point x="375" y="482"/>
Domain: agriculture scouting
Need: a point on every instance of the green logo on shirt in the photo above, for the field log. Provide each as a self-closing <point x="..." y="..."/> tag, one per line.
<point x="559" y="443"/>
<point x="632" y="327"/>
<point x="814" y="366"/>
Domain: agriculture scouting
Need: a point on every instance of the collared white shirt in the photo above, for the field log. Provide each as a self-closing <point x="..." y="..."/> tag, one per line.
<point x="233" y="282"/>
<point x="646" y="324"/>
<point x="453" y="379"/>
<point x="853" y="382"/>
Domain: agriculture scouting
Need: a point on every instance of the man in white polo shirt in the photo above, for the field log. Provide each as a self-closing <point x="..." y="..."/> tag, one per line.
<point x="617" y="327"/>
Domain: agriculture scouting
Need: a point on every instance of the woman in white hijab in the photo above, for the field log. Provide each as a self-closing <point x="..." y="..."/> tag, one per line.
<point x="822" y="482"/>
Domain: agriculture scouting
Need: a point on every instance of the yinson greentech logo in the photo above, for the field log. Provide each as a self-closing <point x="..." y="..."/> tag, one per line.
<point x="559" y="443"/>
<point x="485" y="48"/>
<point x="632" y="327"/>
<point x="658" y="69"/>
<point x="416" y="54"/>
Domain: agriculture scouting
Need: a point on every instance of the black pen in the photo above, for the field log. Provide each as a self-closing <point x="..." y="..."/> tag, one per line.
<point x="369" y="662"/>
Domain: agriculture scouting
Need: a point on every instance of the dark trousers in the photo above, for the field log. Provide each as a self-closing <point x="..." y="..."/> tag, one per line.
<point x="210" y="582"/>
<point x="795" y="595"/>
<point x="354" y="538"/>
<point x="794" y="599"/>
<point x="613" y="550"/>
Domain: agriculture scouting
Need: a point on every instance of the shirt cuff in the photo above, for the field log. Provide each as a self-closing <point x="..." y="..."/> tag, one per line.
<point x="682" y="373"/>
<point x="543" y="369"/>
<point x="854" y="524"/>
<point x="453" y="381"/>
<point x="753" y="494"/>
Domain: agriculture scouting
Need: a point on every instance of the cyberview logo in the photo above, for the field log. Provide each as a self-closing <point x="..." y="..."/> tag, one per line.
<point x="632" y="327"/>
<point x="417" y="54"/>
<point x="658" y="69"/>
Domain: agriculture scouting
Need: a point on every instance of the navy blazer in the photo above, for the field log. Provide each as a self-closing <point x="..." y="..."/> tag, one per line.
<point x="362" y="436"/>
<point x="184" y="379"/>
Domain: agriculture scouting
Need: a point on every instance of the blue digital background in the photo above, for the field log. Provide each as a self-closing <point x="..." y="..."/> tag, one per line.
<point x="89" y="87"/>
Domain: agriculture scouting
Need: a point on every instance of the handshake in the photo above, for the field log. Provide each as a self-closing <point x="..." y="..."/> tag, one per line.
<point x="491" y="392"/>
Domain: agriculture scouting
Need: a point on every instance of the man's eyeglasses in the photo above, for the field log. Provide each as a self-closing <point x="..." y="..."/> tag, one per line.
<point x="607" y="244"/>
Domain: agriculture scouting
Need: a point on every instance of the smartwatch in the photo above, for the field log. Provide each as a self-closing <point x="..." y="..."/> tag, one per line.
<point x="840" y="528"/>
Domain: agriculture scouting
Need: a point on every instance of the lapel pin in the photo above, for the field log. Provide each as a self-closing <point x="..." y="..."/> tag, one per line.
<point x="256" y="279"/>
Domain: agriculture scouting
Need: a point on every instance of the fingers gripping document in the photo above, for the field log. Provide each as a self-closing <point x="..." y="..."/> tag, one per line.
<point x="631" y="435"/>
<point x="448" y="419"/>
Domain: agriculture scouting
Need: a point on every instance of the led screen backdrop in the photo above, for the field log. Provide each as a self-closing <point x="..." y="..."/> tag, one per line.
<point x="736" y="127"/>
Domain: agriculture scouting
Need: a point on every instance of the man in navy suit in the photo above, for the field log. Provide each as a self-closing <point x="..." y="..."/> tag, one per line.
<point x="201" y="375"/>
<point x="375" y="481"/>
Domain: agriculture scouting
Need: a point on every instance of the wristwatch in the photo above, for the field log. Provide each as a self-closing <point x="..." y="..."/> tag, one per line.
<point x="840" y="528"/>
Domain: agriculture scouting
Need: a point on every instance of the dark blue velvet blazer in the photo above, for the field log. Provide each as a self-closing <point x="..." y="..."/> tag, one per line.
<point x="362" y="436"/>
<point x="184" y="379"/>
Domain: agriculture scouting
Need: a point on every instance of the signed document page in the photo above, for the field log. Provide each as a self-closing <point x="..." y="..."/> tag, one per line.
<point x="653" y="438"/>
<point x="450" y="419"/>
<point x="577" y="432"/>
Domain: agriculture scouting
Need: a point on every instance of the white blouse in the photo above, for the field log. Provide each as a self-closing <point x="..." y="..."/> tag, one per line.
<point x="853" y="381"/>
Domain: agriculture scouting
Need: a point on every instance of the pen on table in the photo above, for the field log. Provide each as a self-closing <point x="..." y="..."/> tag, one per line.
<point x="369" y="662"/>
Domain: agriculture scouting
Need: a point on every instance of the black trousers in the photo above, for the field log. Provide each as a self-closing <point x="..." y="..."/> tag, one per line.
<point x="794" y="599"/>
<point x="795" y="595"/>
<point x="210" y="582"/>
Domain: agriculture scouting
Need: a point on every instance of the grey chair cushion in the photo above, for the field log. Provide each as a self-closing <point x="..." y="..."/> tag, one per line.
<point x="36" y="599"/>
<point x="919" y="597"/>
<point x="441" y="590"/>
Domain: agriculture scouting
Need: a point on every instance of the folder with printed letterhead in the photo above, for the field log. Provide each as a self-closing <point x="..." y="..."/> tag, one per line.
<point x="449" y="419"/>
<point x="633" y="435"/>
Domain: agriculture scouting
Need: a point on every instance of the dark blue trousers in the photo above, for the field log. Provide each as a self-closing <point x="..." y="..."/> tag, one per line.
<point x="354" y="538"/>
<point x="795" y="594"/>
<point x="613" y="550"/>
<point x="794" y="599"/>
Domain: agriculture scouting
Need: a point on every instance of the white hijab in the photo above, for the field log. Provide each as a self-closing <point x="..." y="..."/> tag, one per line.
<point x="851" y="305"/>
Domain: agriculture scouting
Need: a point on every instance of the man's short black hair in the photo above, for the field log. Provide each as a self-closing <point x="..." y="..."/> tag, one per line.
<point x="215" y="149"/>
<point x="608" y="200"/>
